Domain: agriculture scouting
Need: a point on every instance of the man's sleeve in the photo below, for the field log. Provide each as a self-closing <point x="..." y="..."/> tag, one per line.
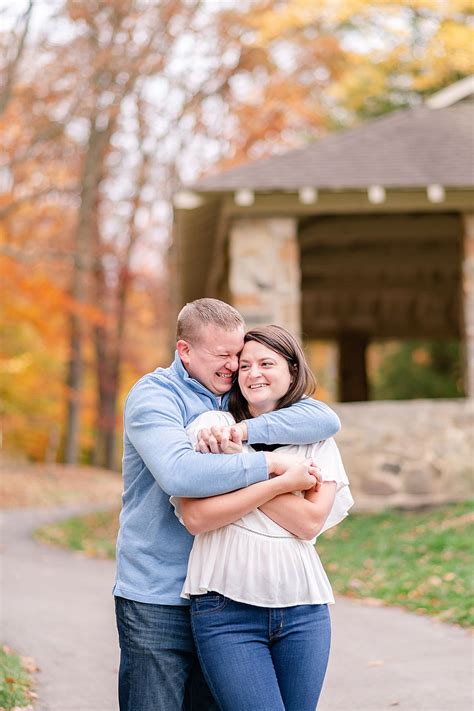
<point x="154" y="425"/>
<point x="305" y="422"/>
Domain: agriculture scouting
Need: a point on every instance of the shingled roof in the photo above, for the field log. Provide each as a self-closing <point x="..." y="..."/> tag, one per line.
<point x="407" y="149"/>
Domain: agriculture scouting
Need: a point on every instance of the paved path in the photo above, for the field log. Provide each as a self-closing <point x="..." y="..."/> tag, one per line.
<point x="57" y="608"/>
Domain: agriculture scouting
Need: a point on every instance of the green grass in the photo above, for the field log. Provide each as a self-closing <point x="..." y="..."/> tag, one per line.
<point x="14" y="682"/>
<point x="419" y="560"/>
<point x="93" y="534"/>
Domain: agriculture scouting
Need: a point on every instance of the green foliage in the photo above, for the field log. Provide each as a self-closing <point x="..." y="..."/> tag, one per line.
<point x="419" y="369"/>
<point x="419" y="560"/>
<point x="14" y="682"/>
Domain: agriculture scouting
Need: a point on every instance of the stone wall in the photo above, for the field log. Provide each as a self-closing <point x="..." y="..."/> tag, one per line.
<point x="408" y="453"/>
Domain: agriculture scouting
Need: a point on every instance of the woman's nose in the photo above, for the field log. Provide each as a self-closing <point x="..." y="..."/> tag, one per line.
<point x="254" y="370"/>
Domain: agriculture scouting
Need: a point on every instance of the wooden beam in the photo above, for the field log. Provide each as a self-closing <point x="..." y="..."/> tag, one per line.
<point x="330" y="331"/>
<point x="407" y="271"/>
<point x="381" y="230"/>
<point x="382" y="253"/>
<point x="383" y="317"/>
<point x="352" y="294"/>
<point x="345" y="202"/>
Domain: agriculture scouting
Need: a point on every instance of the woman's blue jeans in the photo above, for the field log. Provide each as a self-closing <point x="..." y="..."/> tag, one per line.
<point x="261" y="658"/>
<point x="159" y="668"/>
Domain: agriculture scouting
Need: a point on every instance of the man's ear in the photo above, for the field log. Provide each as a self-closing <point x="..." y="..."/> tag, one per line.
<point x="183" y="350"/>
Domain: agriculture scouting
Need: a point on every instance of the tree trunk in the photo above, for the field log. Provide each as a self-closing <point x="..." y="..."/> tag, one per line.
<point x="74" y="382"/>
<point x="109" y="341"/>
<point x="109" y="347"/>
<point x="90" y="182"/>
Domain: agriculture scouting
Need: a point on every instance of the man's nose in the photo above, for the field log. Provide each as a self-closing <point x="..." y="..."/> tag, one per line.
<point x="233" y="363"/>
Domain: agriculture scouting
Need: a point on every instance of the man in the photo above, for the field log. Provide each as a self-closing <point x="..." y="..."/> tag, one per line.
<point x="159" y="670"/>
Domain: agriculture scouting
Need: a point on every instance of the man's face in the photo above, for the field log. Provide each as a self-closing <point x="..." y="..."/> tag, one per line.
<point x="214" y="358"/>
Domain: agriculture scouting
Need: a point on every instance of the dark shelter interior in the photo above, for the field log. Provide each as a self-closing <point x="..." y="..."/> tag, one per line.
<point x="368" y="277"/>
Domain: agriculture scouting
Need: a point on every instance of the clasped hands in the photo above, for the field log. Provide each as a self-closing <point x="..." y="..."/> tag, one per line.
<point x="303" y="475"/>
<point x="222" y="440"/>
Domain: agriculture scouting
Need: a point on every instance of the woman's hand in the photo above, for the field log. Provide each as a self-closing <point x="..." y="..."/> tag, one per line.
<point x="221" y="440"/>
<point x="303" y="476"/>
<point x="280" y="462"/>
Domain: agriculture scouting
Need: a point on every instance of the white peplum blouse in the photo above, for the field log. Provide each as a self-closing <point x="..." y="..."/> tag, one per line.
<point x="256" y="561"/>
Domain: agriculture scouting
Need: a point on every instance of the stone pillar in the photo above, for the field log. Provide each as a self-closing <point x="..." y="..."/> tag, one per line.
<point x="468" y="303"/>
<point x="264" y="272"/>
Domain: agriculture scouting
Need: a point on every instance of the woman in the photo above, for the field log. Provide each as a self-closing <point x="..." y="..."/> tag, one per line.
<point x="259" y="594"/>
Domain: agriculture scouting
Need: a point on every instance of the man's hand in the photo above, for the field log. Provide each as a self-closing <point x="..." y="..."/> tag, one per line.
<point x="222" y="440"/>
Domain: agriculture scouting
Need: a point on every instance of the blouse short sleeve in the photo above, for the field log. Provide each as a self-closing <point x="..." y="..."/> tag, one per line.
<point x="327" y="457"/>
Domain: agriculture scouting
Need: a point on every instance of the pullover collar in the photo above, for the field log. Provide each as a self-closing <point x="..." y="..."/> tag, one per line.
<point x="178" y="368"/>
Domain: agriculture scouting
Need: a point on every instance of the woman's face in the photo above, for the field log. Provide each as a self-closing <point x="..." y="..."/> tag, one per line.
<point x="264" y="377"/>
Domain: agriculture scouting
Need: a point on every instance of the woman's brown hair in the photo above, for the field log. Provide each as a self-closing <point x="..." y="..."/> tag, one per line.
<point x="280" y="341"/>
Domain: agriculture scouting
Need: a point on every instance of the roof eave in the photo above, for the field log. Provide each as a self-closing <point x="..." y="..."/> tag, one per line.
<point x="371" y="198"/>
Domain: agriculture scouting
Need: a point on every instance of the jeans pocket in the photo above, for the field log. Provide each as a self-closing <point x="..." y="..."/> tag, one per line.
<point x="205" y="604"/>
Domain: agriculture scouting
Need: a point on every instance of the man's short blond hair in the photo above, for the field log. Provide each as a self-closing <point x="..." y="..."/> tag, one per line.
<point x="204" y="312"/>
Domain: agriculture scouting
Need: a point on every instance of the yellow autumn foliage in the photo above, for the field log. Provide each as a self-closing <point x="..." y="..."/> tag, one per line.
<point x="389" y="48"/>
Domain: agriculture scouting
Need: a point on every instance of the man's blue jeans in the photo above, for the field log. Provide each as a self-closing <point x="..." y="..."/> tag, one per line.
<point x="261" y="658"/>
<point x="159" y="669"/>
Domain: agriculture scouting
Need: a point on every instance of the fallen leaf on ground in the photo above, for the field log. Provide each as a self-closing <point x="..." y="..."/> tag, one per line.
<point x="56" y="484"/>
<point x="373" y="602"/>
<point x="29" y="664"/>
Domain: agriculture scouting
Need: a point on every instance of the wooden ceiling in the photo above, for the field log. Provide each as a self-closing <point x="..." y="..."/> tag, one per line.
<point x="394" y="276"/>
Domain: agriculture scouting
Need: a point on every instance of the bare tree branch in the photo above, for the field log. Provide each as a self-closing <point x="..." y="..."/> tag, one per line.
<point x="6" y="92"/>
<point x="16" y="204"/>
<point x="30" y="256"/>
